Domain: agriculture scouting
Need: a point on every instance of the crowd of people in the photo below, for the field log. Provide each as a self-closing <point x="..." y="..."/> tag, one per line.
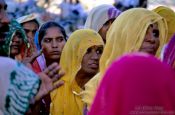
<point x="121" y="62"/>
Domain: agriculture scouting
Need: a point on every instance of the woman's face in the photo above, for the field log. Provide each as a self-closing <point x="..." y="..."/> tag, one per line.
<point x="105" y="28"/>
<point x="151" y="41"/>
<point x="30" y="29"/>
<point x="17" y="42"/>
<point x="53" y="43"/>
<point x="90" y="62"/>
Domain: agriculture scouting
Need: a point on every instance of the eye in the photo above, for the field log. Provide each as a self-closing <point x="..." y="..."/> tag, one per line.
<point x="156" y="33"/>
<point x="99" y="51"/>
<point x="89" y="50"/>
<point x="34" y="31"/>
<point x="47" y="40"/>
<point x="26" y="30"/>
<point x="60" y="39"/>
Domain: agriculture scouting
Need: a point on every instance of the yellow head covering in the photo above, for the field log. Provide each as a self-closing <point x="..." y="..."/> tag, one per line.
<point x="124" y="36"/>
<point x="169" y="16"/>
<point x="67" y="99"/>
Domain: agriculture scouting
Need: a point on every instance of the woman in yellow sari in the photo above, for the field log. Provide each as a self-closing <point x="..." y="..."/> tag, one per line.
<point x="80" y="62"/>
<point x="169" y="16"/>
<point x="134" y="30"/>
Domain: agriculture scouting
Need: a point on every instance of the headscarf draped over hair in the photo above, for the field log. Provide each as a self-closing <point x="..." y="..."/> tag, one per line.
<point x="136" y="84"/>
<point x="169" y="16"/>
<point x="99" y="15"/>
<point x="15" y="27"/>
<point x="125" y="35"/>
<point x="68" y="97"/>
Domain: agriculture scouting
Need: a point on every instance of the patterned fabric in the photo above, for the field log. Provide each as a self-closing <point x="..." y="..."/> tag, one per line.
<point x="14" y="27"/>
<point x="18" y="85"/>
<point x="98" y="16"/>
<point x="169" y="54"/>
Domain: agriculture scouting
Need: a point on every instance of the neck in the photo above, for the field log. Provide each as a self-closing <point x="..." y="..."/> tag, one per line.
<point x="49" y="61"/>
<point x="83" y="78"/>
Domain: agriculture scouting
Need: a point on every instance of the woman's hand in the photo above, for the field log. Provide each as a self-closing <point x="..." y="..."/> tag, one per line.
<point x="49" y="80"/>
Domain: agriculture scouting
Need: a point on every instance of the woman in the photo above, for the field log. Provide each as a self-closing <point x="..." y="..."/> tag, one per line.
<point x="31" y="24"/>
<point x="148" y="34"/>
<point x="16" y="45"/>
<point x="148" y="87"/>
<point x="100" y="19"/>
<point x="51" y="40"/>
<point x="169" y="54"/>
<point x="21" y="89"/>
<point x="80" y="62"/>
<point x="169" y="16"/>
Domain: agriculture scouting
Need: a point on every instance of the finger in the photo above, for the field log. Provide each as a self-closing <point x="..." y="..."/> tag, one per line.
<point x="57" y="85"/>
<point x="50" y="68"/>
<point x="54" y="71"/>
<point x="57" y="77"/>
<point x="34" y="56"/>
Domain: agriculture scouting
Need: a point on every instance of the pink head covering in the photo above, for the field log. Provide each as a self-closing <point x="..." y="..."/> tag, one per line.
<point x="136" y="85"/>
<point x="169" y="55"/>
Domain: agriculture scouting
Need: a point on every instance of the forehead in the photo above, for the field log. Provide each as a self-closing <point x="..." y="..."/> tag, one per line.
<point x="53" y="31"/>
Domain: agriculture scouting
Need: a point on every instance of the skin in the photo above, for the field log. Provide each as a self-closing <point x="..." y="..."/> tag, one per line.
<point x="4" y="20"/>
<point x="105" y="28"/>
<point x="30" y="28"/>
<point x="49" y="78"/>
<point x="89" y="65"/>
<point x="16" y="45"/>
<point x="52" y="45"/>
<point x="151" y="41"/>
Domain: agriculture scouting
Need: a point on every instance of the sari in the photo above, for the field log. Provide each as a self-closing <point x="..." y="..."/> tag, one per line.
<point x="67" y="99"/>
<point x="147" y="88"/>
<point x="15" y="27"/>
<point x="18" y="85"/>
<point x="99" y="15"/>
<point x="122" y="39"/>
<point x="169" y="16"/>
<point x="169" y="54"/>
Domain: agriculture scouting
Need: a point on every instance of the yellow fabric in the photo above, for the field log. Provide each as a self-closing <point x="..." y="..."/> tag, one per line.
<point x="169" y="16"/>
<point x="124" y="36"/>
<point x="67" y="99"/>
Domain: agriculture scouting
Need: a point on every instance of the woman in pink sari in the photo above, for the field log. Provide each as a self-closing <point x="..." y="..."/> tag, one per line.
<point x="136" y="84"/>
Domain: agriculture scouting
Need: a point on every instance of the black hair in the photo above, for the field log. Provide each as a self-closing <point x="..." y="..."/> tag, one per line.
<point x="45" y="26"/>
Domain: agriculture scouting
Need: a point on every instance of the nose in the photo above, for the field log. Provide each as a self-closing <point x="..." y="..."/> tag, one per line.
<point x="54" y="44"/>
<point x="15" y="39"/>
<point x="5" y="19"/>
<point x="95" y="56"/>
<point x="30" y="35"/>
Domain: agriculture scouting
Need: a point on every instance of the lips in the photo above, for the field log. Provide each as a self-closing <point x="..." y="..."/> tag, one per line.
<point x="94" y="65"/>
<point x="55" y="53"/>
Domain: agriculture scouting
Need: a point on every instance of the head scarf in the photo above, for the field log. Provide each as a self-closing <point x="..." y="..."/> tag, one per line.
<point x="125" y="35"/>
<point x="169" y="16"/>
<point x="147" y="88"/>
<point x="169" y="54"/>
<point x="99" y="15"/>
<point x="14" y="27"/>
<point x="18" y="85"/>
<point x="68" y="97"/>
<point x="28" y="18"/>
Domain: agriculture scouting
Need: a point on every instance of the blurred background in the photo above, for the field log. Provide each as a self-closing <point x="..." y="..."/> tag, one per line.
<point x="72" y="13"/>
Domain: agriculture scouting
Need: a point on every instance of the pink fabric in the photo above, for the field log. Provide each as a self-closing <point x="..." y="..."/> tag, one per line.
<point x="136" y="85"/>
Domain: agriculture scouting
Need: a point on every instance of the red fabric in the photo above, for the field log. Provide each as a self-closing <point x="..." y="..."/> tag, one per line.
<point x="136" y="85"/>
<point x="35" y="66"/>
